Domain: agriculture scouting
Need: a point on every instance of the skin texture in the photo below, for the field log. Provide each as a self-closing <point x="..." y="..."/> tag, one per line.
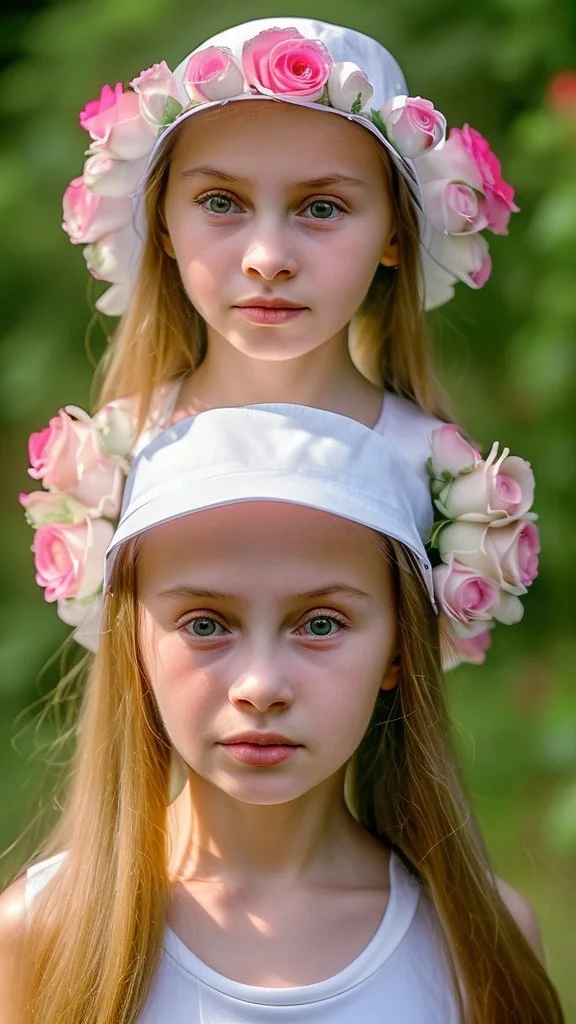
<point x="257" y="852"/>
<point x="257" y="664"/>
<point x="249" y="218"/>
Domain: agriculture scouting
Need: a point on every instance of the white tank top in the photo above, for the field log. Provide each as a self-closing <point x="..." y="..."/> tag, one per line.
<point x="400" y="977"/>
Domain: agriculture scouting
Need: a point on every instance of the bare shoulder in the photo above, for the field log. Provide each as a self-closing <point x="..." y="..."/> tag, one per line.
<point x="12" y="932"/>
<point x="524" y="916"/>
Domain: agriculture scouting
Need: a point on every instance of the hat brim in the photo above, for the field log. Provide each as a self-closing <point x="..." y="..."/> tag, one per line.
<point x="239" y="488"/>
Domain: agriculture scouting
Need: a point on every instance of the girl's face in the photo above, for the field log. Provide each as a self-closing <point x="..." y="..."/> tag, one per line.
<point x="267" y="631"/>
<point x="278" y="217"/>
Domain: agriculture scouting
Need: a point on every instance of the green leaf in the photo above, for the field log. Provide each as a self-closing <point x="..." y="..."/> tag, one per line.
<point x="378" y="122"/>
<point x="172" y="108"/>
<point x="357" y="105"/>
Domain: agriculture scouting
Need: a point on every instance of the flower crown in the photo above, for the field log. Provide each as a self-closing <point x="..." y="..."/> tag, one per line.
<point x="458" y="179"/>
<point x="484" y="541"/>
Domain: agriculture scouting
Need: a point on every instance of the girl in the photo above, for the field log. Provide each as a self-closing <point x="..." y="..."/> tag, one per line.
<point x="269" y="616"/>
<point x="272" y="209"/>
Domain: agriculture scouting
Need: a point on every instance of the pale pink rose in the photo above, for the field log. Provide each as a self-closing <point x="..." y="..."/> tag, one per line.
<point x="68" y="456"/>
<point x="508" y="554"/>
<point x="466" y="256"/>
<point x="113" y="256"/>
<point x="117" y="426"/>
<point x="438" y="284"/>
<point x="449" y="162"/>
<point x="499" y="195"/>
<point x="281" y="61"/>
<point x="158" y="92"/>
<point x="116" y="125"/>
<point x="43" y="507"/>
<point x="497" y="489"/>
<point x="114" y="301"/>
<point x="348" y="86"/>
<point x="463" y="593"/>
<point x="452" y="453"/>
<point x="114" y="178"/>
<point x="213" y="74"/>
<point x="412" y="124"/>
<point x="473" y="649"/>
<point x="69" y="558"/>
<point x="453" y="207"/>
<point x="86" y="617"/>
<point x="88" y="216"/>
<point x="463" y="643"/>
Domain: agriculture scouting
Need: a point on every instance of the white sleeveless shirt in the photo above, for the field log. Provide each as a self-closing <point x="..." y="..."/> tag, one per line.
<point x="400" y="977"/>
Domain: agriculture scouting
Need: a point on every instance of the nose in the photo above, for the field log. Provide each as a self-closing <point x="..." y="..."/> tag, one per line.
<point x="269" y="254"/>
<point x="262" y="688"/>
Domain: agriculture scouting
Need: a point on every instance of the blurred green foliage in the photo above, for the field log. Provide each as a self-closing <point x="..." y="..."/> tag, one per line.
<point x="507" y="354"/>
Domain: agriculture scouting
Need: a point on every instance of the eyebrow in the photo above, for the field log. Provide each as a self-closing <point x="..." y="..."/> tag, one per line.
<point x="177" y="593"/>
<point x="313" y="183"/>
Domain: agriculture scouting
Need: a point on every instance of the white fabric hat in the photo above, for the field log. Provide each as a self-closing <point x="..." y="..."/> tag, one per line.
<point x="287" y="453"/>
<point x="343" y="44"/>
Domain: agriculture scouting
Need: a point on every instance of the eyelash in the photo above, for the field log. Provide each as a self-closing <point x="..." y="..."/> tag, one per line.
<point x="332" y="616"/>
<point x="206" y="196"/>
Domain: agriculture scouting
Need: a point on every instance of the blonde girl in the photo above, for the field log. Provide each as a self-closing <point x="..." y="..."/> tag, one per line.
<point x="252" y="237"/>
<point x="274" y="218"/>
<point x="269" y="619"/>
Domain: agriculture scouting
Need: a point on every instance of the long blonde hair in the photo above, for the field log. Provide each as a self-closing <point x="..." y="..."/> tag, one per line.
<point x="162" y="337"/>
<point x="96" y="929"/>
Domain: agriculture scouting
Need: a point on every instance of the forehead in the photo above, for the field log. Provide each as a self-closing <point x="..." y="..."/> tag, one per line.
<point x="266" y="541"/>
<point x="249" y="131"/>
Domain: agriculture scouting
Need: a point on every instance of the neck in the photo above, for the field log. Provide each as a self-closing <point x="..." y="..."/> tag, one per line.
<point x="325" y="378"/>
<point x="213" y="836"/>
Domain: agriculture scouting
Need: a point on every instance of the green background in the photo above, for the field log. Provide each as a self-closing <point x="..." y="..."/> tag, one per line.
<point x="508" y="355"/>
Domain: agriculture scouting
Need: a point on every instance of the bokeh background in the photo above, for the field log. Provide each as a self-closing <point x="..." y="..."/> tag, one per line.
<point x="507" y="354"/>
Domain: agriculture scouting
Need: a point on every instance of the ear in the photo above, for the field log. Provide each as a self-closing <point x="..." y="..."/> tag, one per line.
<point x="392" y="677"/>
<point x="390" y="256"/>
<point x="167" y="245"/>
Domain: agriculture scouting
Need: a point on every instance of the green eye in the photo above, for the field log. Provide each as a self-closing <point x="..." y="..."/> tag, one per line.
<point x="321" y="209"/>
<point x="219" y="204"/>
<point x="203" y="627"/>
<point x="321" y="625"/>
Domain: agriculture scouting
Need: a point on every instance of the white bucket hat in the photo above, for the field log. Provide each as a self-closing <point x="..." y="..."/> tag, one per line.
<point x="455" y="184"/>
<point x="284" y="453"/>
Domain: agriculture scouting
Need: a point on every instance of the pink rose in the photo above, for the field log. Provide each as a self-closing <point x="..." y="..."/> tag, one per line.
<point x="88" y="216"/>
<point x="68" y="456"/>
<point x="213" y="74"/>
<point x="348" y="87"/>
<point x="113" y="256"/>
<point x="116" y="125"/>
<point x="508" y="554"/>
<point x="158" y="92"/>
<point x="281" y="61"/>
<point x="453" y="207"/>
<point x="499" y="195"/>
<point x="451" y="453"/>
<point x="463" y="643"/>
<point x="412" y="124"/>
<point x="498" y="489"/>
<point x="449" y="162"/>
<point x="115" y="178"/>
<point x="43" y="507"/>
<point x="466" y="256"/>
<point x="69" y="558"/>
<point x="463" y="593"/>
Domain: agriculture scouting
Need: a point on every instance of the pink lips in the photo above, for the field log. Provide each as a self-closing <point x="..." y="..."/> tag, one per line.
<point x="261" y="750"/>
<point x="269" y="311"/>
